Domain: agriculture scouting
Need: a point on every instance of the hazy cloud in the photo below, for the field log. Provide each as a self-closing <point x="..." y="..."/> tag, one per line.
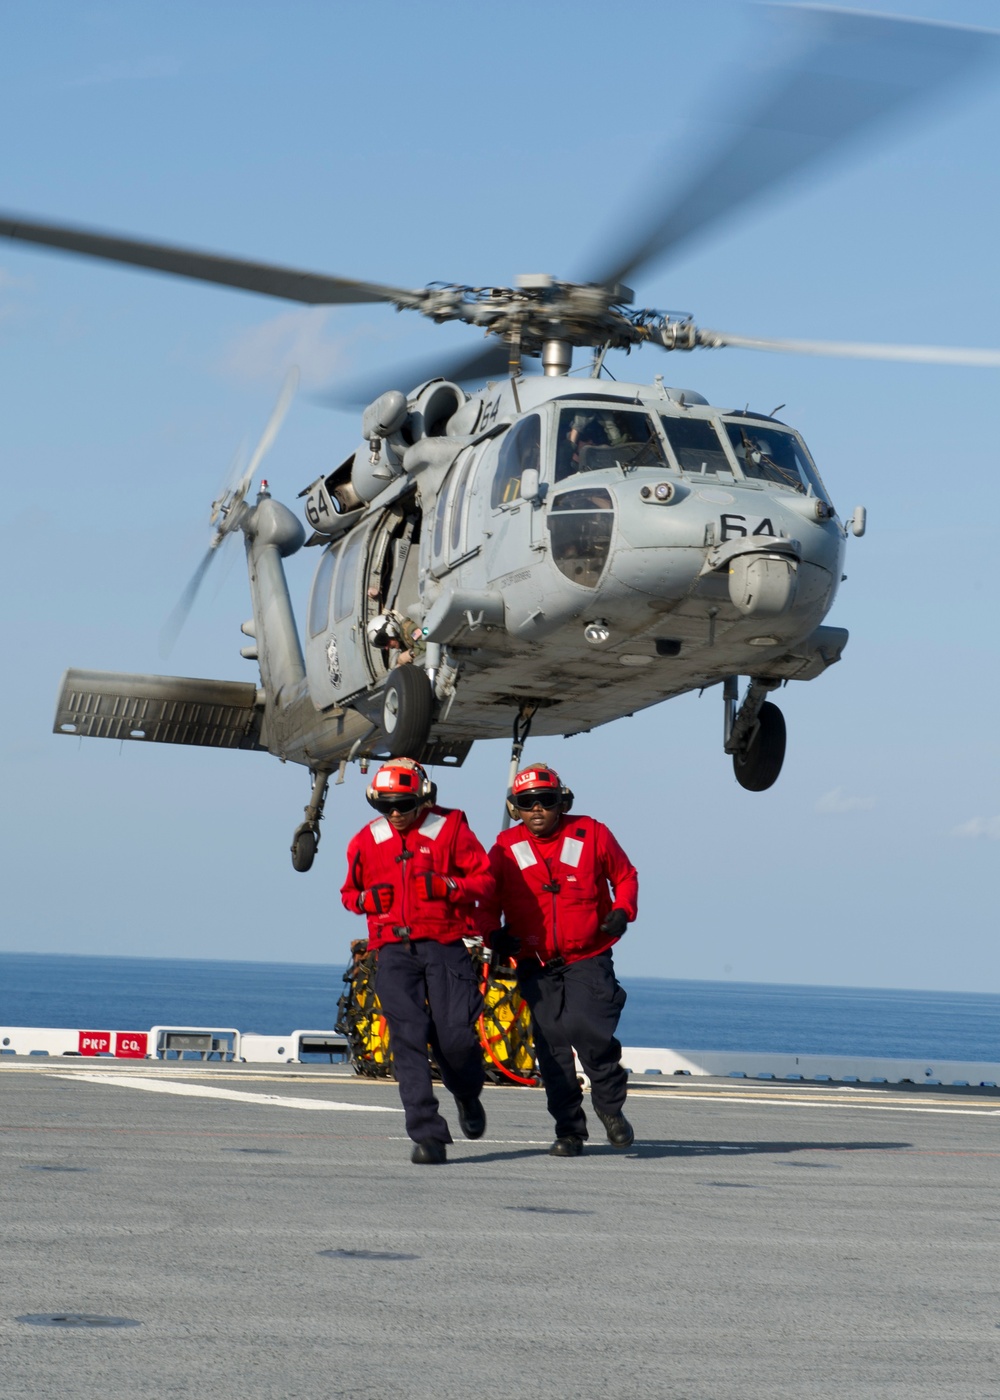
<point x="269" y="350"/>
<point x="139" y="71"/>
<point x="11" y="307"/>
<point x="979" y="826"/>
<point x="837" y="801"/>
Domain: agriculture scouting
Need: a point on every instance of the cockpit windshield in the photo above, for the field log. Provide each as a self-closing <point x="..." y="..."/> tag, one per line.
<point x="591" y="438"/>
<point x="697" y="447"/>
<point x="766" y="452"/>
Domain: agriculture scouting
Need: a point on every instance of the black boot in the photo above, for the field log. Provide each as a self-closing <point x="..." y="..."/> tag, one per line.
<point x="620" y="1132"/>
<point x="471" y="1117"/>
<point x="569" y="1146"/>
<point x="429" y="1151"/>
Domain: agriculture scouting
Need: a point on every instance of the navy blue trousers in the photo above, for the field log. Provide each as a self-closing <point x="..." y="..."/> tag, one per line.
<point x="576" y="1006"/>
<point x="430" y="997"/>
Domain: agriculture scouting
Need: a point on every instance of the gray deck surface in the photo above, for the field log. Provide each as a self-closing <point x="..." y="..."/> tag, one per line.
<point x="760" y="1240"/>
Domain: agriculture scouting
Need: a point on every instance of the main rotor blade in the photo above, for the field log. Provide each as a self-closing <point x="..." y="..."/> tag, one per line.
<point x="858" y="350"/>
<point x="313" y="288"/>
<point x="491" y="361"/>
<point x="860" y="70"/>
<point x="171" y="629"/>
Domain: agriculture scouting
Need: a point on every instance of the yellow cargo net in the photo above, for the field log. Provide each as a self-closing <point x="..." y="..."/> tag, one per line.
<point x="504" y="1026"/>
<point x="505" y="1029"/>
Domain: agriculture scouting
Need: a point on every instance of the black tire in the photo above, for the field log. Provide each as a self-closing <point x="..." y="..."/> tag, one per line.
<point x="304" y="845"/>
<point x="757" y="769"/>
<point x="407" y="710"/>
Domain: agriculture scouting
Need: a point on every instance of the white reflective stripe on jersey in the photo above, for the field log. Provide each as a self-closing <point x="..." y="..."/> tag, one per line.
<point x="523" y="854"/>
<point x="572" y="850"/>
<point x="380" y="830"/>
<point x="431" y="825"/>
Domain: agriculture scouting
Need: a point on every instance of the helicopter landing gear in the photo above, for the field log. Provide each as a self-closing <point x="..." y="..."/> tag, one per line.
<point x="754" y="735"/>
<point x="407" y="711"/>
<point x="306" y="838"/>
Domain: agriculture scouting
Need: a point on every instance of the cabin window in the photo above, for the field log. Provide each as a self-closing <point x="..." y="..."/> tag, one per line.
<point x="519" y="451"/>
<point x="319" y="601"/>
<point x="697" y="446"/>
<point x="766" y="453"/>
<point x="347" y="576"/>
<point x="456" y="510"/>
<point x="439" y="515"/>
<point x="590" y="439"/>
<point x="580" y="525"/>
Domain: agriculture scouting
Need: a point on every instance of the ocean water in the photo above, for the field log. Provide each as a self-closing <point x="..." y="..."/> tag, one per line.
<point x="88" y="993"/>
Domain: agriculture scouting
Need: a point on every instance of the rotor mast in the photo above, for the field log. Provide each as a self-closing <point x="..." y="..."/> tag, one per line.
<point x="557" y="357"/>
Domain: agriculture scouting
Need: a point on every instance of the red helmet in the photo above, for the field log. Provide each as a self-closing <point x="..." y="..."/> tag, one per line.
<point x="538" y="778"/>
<point x="401" y="777"/>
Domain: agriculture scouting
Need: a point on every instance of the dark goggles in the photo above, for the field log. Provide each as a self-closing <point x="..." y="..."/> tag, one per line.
<point x="547" y="800"/>
<point x="403" y="805"/>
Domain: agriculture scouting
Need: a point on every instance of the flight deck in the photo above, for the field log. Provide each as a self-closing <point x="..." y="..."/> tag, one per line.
<point x="226" y="1230"/>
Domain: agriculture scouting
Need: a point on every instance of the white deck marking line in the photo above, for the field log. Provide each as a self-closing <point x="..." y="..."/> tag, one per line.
<point x="882" y="1101"/>
<point x="840" y="1103"/>
<point x="201" y="1091"/>
<point x="488" y="1142"/>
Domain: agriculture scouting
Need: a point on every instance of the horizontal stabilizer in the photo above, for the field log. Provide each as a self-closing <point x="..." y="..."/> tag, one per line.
<point x="159" y="709"/>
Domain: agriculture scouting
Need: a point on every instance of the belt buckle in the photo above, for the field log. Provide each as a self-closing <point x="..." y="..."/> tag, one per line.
<point x="402" y="932"/>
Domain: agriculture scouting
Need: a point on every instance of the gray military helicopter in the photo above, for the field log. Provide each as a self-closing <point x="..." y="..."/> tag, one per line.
<point x="550" y="550"/>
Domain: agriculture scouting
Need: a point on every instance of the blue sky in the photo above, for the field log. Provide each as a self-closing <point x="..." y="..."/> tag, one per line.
<point x="412" y="142"/>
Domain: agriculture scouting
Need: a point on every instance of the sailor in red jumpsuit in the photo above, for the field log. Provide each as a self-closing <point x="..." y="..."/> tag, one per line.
<point x="417" y="872"/>
<point x="567" y="892"/>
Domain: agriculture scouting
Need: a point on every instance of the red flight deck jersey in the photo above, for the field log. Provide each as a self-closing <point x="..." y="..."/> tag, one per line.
<point x="441" y="843"/>
<point x="554" y="893"/>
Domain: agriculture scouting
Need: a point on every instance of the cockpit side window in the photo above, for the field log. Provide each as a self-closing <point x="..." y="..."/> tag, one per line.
<point x="519" y="451"/>
<point x="767" y="453"/>
<point x="696" y="446"/>
<point x="590" y="439"/>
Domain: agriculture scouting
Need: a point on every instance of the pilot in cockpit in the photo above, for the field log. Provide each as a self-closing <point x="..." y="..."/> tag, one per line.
<point x="585" y="431"/>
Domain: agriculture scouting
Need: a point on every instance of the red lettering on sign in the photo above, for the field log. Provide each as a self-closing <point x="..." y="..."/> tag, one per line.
<point x="130" y="1045"/>
<point x="95" y="1042"/>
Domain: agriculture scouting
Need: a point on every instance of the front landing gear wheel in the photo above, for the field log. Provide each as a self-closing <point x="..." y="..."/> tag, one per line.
<point x="304" y="845"/>
<point x="407" y="710"/>
<point x="758" y="766"/>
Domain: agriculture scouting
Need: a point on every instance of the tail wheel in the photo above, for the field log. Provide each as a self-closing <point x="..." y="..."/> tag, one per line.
<point x="505" y="1031"/>
<point x="304" y="845"/>
<point x="757" y="768"/>
<point x="407" y="710"/>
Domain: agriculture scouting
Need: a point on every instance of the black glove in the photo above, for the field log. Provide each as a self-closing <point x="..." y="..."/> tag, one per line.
<point x="503" y="944"/>
<point x="616" y="923"/>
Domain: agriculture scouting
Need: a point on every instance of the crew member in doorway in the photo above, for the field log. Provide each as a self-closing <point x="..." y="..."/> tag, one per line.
<point x="566" y="891"/>
<point x="399" y="638"/>
<point x="417" y="871"/>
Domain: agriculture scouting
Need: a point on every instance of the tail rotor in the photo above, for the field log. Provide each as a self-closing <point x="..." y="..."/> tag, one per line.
<point x="228" y="512"/>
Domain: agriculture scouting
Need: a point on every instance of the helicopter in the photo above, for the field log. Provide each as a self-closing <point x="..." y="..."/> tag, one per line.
<point x="549" y="550"/>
